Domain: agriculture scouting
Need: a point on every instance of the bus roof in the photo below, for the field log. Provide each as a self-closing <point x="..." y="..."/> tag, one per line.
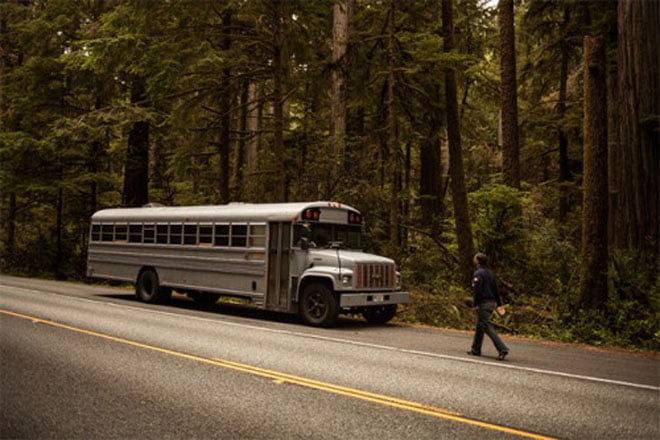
<point x="243" y="212"/>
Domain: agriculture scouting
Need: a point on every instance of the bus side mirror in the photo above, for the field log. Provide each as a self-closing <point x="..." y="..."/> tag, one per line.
<point x="304" y="243"/>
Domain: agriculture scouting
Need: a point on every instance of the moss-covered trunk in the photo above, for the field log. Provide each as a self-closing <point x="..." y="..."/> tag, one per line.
<point x="593" y="279"/>
<point x="457" y="175"/>
<point x="508" y="95"/>
<point x="638" y="76"/>
<point x="136" y="165"/>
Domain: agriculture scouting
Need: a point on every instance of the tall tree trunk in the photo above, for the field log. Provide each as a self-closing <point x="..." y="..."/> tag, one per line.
<point x="393" y="141"/>
<point x="430" y="191"/>
<point x="304" y="187"/>
<point x="562" y="139"/>
<point x="59" y="250"/>
<point x="11" y="225"/>
<point x="93" y="169"/>
<point x="407" y="169"/>
<point x="225" y="119"/>
<point x="593" y="279"/>
<point x="254" y="122"/>
<point x="7" y="125"/>
<point x="377" y="123"/>
<point x="638" y="64"/>
<point x="242" y="144"/>
<point x="459" y="192"/>
<point x="407" y="165"/>
<point x="278" y="105"/>
<point x="136" y="165"/>
<point x="508" y="95"/>
<point x="341" y="16"/>
<point x="614" y="160"/>
<point x="96" y="148"/>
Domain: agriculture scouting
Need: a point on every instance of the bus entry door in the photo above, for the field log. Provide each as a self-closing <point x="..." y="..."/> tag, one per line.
<point x="279" y="253"/>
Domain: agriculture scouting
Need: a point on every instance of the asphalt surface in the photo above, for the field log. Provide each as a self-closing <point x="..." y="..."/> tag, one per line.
<point x="84" y="361"/>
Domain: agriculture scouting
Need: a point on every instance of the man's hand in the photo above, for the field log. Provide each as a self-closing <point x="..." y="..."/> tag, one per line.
<point x="501" y="310"/>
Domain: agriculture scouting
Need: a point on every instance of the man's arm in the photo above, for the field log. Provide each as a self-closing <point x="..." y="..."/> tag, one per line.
<point x="477" y="288"/>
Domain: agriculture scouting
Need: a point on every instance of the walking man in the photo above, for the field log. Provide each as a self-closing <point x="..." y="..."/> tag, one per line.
<point x="486" y="299"/>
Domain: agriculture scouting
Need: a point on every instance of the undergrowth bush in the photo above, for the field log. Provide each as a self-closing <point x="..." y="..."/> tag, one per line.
<point x="631" y="315"/>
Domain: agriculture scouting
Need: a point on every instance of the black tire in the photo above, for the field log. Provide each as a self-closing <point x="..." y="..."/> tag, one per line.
<point x="318" y="306"/>
<point x="148" y="289"/>
<point x="379" y="314"/>
<point x="205" y="299"/>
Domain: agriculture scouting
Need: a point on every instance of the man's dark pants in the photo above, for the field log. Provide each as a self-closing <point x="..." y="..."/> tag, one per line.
<point x="484" y="310"/>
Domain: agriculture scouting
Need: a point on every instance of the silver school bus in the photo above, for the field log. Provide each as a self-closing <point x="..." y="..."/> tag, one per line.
<point x="301" y="258"/>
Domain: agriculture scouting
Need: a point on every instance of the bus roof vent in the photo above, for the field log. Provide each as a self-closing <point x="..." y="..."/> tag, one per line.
<point x="153" y="205"/>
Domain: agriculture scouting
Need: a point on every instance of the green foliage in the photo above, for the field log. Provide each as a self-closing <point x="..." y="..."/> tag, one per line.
<point x="440" y="308"/>
<point x="498" y="225"/>
<point x="633" y="307"/>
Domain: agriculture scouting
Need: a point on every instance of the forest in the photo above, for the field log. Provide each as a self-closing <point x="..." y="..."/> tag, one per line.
<point x="524" y="129"/>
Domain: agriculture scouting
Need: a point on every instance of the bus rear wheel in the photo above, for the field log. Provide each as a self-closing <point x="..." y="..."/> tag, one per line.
<point x="379" y="314"/>
<point x="318" y="306"/>
<point x="148" y="289"/>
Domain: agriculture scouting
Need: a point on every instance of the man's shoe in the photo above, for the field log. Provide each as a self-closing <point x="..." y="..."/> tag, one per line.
<point x="473" y="353"/>
<point x="502" y="355"/>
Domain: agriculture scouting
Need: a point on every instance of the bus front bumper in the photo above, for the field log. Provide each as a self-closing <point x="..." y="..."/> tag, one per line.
<point x="373" y="299"/>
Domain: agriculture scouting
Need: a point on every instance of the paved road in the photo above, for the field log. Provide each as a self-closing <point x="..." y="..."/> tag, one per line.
<point x="81" y="361"/>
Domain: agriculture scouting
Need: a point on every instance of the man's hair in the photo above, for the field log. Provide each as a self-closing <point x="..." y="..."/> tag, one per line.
<point x="481" y="258"/>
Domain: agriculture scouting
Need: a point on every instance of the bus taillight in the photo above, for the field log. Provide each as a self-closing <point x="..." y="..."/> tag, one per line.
<point x="354" y="218"/>
<point x="311" y="214"/>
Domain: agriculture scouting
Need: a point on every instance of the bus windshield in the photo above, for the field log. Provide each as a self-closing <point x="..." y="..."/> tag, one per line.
<point x="324" y="233"/>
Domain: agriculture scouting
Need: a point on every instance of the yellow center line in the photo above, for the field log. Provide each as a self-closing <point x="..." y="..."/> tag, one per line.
<point x="297" y="380"/>
<point x="289" y="378"/>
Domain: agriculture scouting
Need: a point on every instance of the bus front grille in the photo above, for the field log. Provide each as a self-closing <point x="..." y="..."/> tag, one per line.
<point x="374" y="276"/>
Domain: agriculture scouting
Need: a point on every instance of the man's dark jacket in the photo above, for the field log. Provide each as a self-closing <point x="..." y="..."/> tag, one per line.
<point x="484" y="287"/>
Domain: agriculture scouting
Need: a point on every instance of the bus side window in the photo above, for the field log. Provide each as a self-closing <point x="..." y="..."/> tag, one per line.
<point x="205" y="235"/>
<point x="96" y="232"/>
<point x="257" y="235"/>
<point x="121" y="233"/>
<point x="189" y="234"/>
<point x="175" y="234"/>
<point x="106" y="232"/>
<point x="161" y="234"/>
<point x="222" y="235"/>
<point x="238" y="235"/>
<point x="135" y="233"/>
<point x="149" y="233"/>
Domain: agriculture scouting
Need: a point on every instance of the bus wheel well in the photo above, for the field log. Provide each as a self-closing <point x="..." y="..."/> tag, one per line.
<point x="318" y="304"/>
<point x="148" y="288"/>
<point x="314" y="279"/>
<point x="144" y="268"/>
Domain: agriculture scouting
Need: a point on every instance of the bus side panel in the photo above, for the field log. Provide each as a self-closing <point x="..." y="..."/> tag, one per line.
<point x="101" y="267"/>
<point x="233" y="271"/>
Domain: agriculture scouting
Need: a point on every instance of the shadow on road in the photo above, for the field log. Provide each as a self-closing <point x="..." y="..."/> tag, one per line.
<point x="238" y="311"/>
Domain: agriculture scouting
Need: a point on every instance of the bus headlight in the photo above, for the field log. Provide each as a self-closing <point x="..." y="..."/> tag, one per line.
<point x="346" y="280"/>
<point x="398" y="280"/>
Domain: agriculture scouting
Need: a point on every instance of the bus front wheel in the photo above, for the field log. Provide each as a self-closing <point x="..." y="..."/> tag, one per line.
<point x="379" y="314"/>
<point x="148" y="289"/>
<point x="318" y="306"/>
